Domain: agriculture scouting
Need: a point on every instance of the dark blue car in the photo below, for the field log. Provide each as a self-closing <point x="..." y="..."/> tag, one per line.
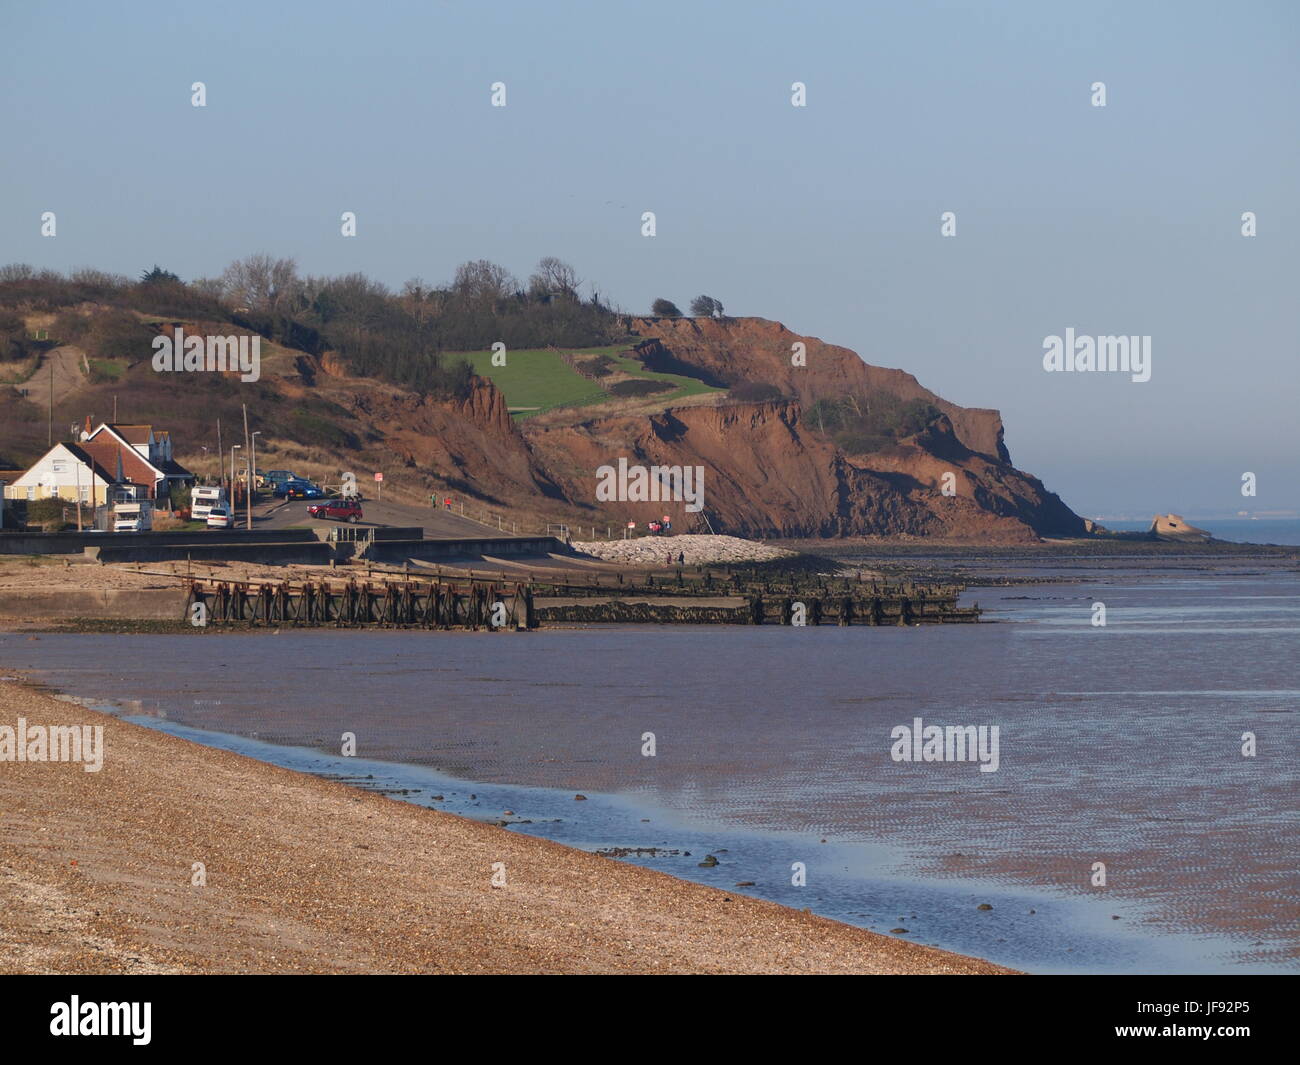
<point x="298" y="490"/>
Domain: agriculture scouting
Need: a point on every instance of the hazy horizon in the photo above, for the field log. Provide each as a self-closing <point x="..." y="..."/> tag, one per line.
<point x="1123" y="219"/>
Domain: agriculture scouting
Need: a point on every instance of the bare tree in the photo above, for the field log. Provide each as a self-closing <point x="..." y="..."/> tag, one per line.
<point x="554" y="277"/>
<point x="209" y="286"/>
<point x="484" y="280"/>
<point x="418" y="300"/>
<point x="261" y="282"/>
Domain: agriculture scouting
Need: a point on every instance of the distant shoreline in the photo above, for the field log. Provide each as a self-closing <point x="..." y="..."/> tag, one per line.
<point x="1090" y="547"/>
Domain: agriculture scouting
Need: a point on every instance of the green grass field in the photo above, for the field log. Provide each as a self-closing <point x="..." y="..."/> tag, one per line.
<point x="537" y="380"/>
<point x="104" y="371"/>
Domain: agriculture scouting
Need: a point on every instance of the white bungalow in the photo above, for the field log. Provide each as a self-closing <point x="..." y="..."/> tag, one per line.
<point x="66" y="471"/>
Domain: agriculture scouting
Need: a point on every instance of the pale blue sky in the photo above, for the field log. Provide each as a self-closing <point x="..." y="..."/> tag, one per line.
<point x="1123" y="219"/>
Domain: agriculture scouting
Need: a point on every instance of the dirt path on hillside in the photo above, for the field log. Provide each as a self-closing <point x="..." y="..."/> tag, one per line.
<point x="69" y="377"/>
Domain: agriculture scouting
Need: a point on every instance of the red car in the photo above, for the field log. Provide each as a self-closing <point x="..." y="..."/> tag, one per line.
<point x="337" y="510"/>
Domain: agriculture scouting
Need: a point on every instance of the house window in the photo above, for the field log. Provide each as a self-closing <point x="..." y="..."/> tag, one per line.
<point x="58" y="467"/>
<point x="31" y="493"/>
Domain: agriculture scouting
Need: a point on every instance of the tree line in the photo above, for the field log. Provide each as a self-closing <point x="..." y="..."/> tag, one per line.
<point x="407" y="337"/>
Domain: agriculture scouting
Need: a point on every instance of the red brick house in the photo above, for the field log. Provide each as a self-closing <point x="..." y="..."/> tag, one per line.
<point x="137" y="455"/>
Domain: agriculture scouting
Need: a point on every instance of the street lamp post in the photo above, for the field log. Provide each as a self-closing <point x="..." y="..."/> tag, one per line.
<point x="252" y="474"/>
<point x="233" y="449"/>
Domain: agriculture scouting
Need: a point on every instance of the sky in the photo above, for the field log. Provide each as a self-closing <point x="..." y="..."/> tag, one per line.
<point x="1117" y="220"/>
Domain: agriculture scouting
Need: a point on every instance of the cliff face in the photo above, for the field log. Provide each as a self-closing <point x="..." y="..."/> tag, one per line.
<point x="473" y="444"/>
<point x="986" y="493"/>
<point x="765" y="475"/>
<point x="733" y="350"/>
<point x="766" y="472"/>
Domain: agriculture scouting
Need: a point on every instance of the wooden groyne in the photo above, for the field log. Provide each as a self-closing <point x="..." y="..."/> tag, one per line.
<point x="758" y="610"/>
<point x="434" y="604"/>
<point x="742" y="597"/>
<point x="457" y="600"/>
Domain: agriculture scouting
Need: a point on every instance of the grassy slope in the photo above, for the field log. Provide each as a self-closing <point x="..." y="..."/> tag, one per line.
<point x="538" y="380"/>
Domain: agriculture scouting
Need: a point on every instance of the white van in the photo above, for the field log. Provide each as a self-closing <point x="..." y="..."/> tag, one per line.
<point x="133" y="517"/>
<point x="219" y="517"/>
<point x="204" y="498"/>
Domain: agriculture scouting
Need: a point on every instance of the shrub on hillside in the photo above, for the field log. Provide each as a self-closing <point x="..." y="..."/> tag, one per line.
<point x="313" y="428"/>
<point x="105" y="371"/>
<point x="706" y="307"/>
<point x="14" y="341"/>
<point x="159" y="276"/>
<point x="48" y="290"/>
<point x="755" y="392"/>
<point x="170" y="298"/>
<point x="665" y="309"/>
<point x="640" y="387"/>
<point x="860" y="425"/>
<point x="600" y="366"/>
<point x="118" y="335"/>
<point x="69" y="326"/>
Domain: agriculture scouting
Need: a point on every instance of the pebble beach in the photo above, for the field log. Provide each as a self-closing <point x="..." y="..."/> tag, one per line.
<point x="698" y="550"/>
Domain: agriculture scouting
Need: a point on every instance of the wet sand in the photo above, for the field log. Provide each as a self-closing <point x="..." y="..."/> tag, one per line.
<point x="308" y="875"/>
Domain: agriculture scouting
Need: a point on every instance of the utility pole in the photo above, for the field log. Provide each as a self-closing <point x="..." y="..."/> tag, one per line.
<point x="248" y="484"/>
<point x="49" y="425"/>
<point x="221" y="456"/>
<point x="252" y="476"/>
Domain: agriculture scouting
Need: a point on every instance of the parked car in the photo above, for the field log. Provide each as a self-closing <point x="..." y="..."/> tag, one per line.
<point x="298" y="489"/>
<point x="219" y="517"/>
<point x="275" y="478"/>
<point x="337" y="510"/>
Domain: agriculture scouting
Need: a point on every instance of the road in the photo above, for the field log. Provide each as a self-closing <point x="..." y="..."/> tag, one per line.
<point x="281" y="514"/>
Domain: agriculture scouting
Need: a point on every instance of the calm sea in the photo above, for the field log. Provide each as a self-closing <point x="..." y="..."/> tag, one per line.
<point x="1234" y="530"/>
<point x="1124" y="830"/>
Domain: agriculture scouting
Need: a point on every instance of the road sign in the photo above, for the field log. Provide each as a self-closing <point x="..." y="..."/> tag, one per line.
<point x="379" y="477"/>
